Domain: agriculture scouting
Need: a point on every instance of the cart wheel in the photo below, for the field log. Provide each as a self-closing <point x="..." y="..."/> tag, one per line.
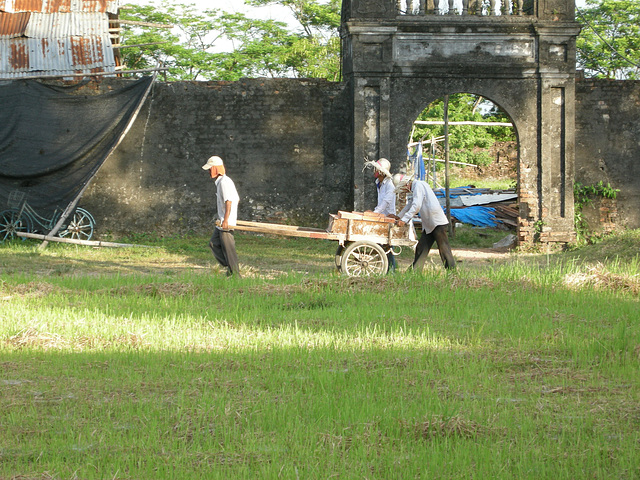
<point x="12" y="222"/>
<point x="80" y="227"/>
<point x="363" y="259"/>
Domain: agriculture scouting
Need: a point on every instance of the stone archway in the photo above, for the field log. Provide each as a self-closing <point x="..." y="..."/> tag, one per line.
<point x="522" y="60"/>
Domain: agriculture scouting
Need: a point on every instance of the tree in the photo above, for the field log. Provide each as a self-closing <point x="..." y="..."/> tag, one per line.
<point x="216" y="45"/>
<point x="316" y="50"/>
<point x="609" y="44"/>
<point x="467" y="143"/>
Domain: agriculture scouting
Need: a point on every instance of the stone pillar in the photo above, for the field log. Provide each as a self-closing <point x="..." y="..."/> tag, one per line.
<point x="556" y="162"/>
<point x="369" y="73"/>
<point x="557" y="133"/>
<point x="371" y="140"/>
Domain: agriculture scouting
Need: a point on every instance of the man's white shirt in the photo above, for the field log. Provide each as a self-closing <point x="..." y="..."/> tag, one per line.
<point x="226" y="191"/>
<point x="426" y="203"/>
<point x="386" y="198"/>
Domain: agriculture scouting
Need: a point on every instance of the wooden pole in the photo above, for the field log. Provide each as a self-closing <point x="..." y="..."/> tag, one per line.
<point x="75" y="201"/>
<point x="426" y="142"/>
<point x="117" y="45"/>
<point x="446" y="162"/>
<point x="93" y="74"/>
<point x="487" y="124"/>
<point x="90" y="243"/>
<point x="433" y="161"/>
<point x="451" y="162"/>
<point x="141" y="24"/>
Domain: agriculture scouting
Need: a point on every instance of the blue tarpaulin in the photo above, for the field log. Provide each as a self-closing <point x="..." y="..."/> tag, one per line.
<point x="417" y="162"/>
<point x="478" y="216"/>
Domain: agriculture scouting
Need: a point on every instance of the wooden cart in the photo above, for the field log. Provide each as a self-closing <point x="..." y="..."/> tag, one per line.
<point x="364" y="239"/>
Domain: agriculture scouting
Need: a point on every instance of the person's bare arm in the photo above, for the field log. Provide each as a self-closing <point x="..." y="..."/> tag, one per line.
<point x="227" y="212"/>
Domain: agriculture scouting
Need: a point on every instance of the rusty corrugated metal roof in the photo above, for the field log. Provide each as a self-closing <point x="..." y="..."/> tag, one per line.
<point x="55" y="25"/>
<point x="59" y="6"/>
<point x="62" y="25"/>
<point x="13" y="24"/>
<point x="24" y="57"/>
<point x="34" y="44"/>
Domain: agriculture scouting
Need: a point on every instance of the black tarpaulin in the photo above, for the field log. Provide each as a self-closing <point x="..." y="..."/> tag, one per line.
<point x="52" y="142"/>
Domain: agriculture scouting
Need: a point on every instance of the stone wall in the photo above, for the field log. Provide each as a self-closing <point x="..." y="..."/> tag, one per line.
<point x="285" y="143"/>
<point x="608" y="145"/>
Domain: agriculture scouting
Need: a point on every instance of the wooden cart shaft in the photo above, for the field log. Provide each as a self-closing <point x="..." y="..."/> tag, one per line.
<point x="285" y="230"/>
<point x="342" y="229"/>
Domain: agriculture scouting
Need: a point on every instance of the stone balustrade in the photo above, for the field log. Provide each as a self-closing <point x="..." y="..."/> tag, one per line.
<point x="465" y="7"/>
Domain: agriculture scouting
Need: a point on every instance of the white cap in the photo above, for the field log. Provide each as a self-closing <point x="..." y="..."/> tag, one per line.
<point x="214" y="161"/>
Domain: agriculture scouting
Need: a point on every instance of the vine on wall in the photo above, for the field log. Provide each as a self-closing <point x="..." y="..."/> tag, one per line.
<point x="584" y="195"/>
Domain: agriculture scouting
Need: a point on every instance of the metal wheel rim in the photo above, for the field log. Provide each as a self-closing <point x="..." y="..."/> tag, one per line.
<point x="80" y="227"/>
<point x="363" y="260"/>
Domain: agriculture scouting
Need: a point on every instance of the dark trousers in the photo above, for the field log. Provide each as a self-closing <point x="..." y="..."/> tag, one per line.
<point x="439" y="235"/>
<point x="223" y="246"/>
<point x="391" y="258"/>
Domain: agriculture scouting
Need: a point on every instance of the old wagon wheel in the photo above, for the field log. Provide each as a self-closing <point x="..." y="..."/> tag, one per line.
<point x="363" y="259"/>
<point x="11" y="222"/>
<point x="80" y="227"/>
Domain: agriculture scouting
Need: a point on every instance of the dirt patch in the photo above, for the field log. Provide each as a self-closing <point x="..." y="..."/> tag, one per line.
<point x="482" y="254"/>
<point x="505" y="164"/>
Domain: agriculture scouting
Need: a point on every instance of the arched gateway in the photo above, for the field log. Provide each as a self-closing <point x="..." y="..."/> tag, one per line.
<point x="399" y="57"/>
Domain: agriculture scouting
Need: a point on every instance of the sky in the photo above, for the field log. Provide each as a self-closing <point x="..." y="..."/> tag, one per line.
<point x="232" y="6"/>
<point x="237" y="6"/>
<point x="273" y="12"/>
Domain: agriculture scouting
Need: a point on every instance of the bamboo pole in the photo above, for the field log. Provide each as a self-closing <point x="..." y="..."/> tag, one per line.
<point x="92" y="74"/>
<point x="426" y="142"/>
<point x="457" y="163"/>
<point x="90" y="243"/>
<point x="118" y="45"/>
<point x="432" y="161"/>
<point x="440" y="122"/>
<point x="141" y="24"/>
<point x="446" y="162"/>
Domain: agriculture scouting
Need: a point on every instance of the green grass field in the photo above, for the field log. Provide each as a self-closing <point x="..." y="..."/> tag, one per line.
<point x="149" y="363"/>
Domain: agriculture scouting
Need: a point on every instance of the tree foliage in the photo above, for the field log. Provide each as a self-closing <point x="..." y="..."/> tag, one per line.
<point x="609" y="44"/>
<point x="467" y="143"/>
<point x="217" y="45"/>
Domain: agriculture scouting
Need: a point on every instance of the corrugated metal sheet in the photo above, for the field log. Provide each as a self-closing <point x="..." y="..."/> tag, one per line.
<point x="63" y="25"/>
<point x="13" y="24"/>
<point x="54" y="44"/>
<point x="55" y="25"/>
<point x="60" y="6"/>
<point x="23" y="57"/>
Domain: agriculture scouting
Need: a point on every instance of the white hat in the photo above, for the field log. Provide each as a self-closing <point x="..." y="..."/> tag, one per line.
<point x="401" y="180"/>
<point x="382" y="165"/>
<point x="214" y="161"/>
